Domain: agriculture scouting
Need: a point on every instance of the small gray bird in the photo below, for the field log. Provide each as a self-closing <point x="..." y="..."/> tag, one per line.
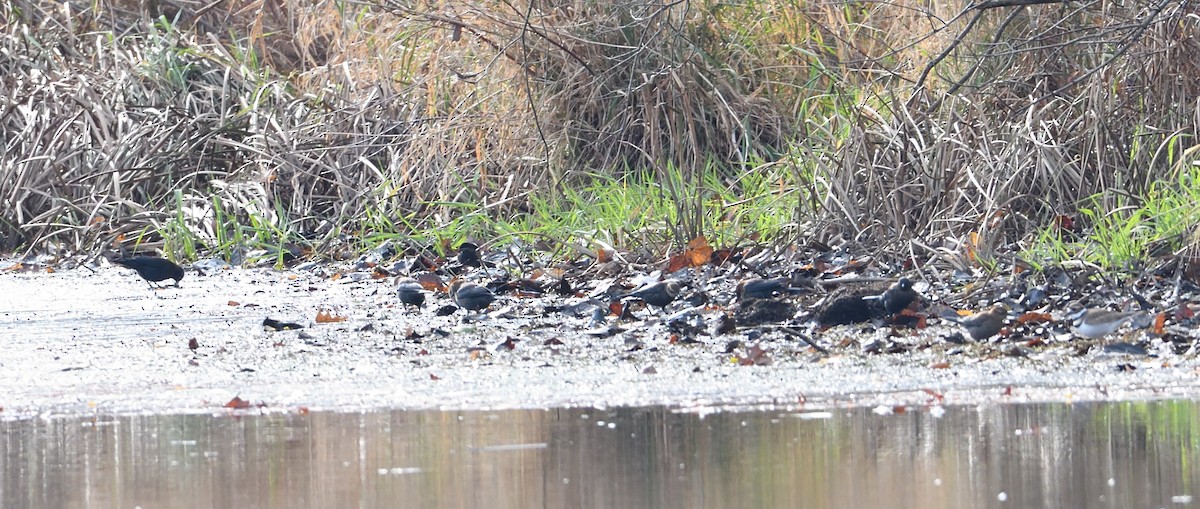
<point x="471" y="296"/>
<point x="1099" y="322"/>
<point x="152" y="268"/>
<point x="658" y="294"/>
<point x="410" y="292"/>
<point x="985" y="324"/>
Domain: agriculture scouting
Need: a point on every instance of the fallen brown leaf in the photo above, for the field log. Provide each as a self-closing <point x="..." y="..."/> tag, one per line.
<point x="237" y="402"/>
<point x="329" y="317"/>
<point x="1034" y="317"/>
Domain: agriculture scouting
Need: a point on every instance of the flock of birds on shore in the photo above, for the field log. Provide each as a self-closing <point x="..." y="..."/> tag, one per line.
<point x="847" y="309"/>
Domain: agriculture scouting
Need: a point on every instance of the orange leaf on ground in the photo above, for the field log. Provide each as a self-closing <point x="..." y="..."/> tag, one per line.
<point x="699" y="251"/>
<point x="1160" y="322"/>
<point x="237" y="402"/>
<point x="430" y="281"/>
<point x="1033" y="317"/>
<point x="328" y="317"/>
<point x="854" y="265"/>
<point x="720" y="256"/>
<point x="677" y="262"/>
<point x="972" y="246"/>
<point x="1065" y="222"/>
<point x="603" y="256"/>
<point x="615" y="308"/>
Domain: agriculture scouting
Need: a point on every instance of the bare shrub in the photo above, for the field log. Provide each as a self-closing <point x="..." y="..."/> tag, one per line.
<point x="1041" y="108"/>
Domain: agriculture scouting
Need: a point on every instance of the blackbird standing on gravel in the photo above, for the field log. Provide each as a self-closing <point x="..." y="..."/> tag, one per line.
<point x="758" y="288"/>
<point x="471" y="296"/>
<point x="658" y="294"/>
<point x="468" y="254"/>
<point x="152" y="268"/>
<point x="899" y="296"/>
<point x="411" y="292"/>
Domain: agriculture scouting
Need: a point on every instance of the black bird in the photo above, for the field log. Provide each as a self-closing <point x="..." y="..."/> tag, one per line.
<point x="471" y="296"/>
<point x="152" y="268"/>
<point x="411" y="292"/>
<point x="276" y="325"/>
<point x="658" y="294"/>
<point x="468" y="254"/>
<point x="899" y="296"/>
<point x="758" y="288"/>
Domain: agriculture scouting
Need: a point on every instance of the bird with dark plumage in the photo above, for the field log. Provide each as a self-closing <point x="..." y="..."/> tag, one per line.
<point x="658" y="294"/>
<point x="899" y="296"/>
<point x="470" y="296"/>
<point x="410" y="292"/>
<point x="152" y="268"/>
<point x="985" y="324"/>
<point x="759" y="288"/>
<point x="468" y="254"/>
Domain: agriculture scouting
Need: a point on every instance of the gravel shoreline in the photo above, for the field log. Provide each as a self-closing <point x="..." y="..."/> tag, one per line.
<point x="79" y="342"/>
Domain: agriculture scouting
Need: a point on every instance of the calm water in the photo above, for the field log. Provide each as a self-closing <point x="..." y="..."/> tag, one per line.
<point x="1094" y="455"/>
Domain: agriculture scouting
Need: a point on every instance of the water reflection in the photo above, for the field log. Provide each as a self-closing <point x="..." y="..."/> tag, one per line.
<point x="1094" y="455"/>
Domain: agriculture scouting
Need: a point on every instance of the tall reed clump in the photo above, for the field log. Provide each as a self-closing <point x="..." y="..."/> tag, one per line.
<point x="262" y="124"/>
<point x="113" y="138"/>
<point x="1033" y="111"/>
<point x="326" y="117"/>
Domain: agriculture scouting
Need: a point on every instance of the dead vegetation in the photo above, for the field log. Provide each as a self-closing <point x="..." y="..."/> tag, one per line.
<point x="123" y="122"/>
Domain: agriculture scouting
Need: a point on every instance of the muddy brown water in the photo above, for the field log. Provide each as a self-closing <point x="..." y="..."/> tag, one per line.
<point x="1009" y="455"/>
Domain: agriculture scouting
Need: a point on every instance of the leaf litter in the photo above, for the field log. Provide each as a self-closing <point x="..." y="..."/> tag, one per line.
<point x="572" y="333"/>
